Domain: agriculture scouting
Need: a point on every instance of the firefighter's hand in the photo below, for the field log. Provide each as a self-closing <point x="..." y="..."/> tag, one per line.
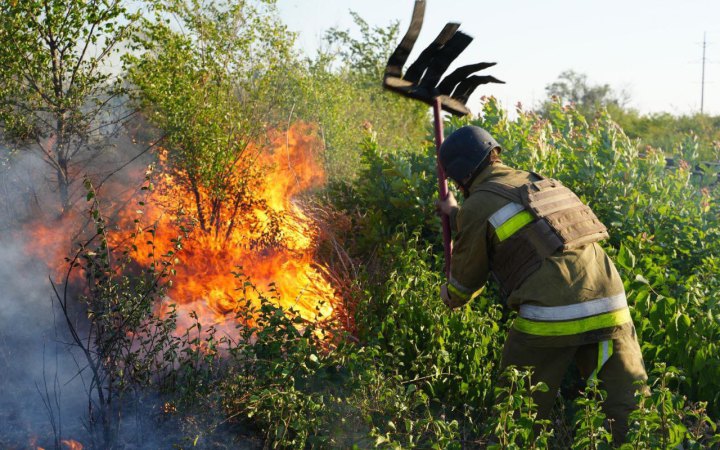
<point x="447" y="205"/>
<point x="447" y="298"/>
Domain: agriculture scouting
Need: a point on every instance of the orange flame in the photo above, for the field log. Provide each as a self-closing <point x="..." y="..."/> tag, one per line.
<point x="273" y="240"/>
<point x="72" y="444"/>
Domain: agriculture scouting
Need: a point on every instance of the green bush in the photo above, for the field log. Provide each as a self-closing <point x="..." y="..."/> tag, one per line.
<point x="418" y="375"/>
<point x="663" y="223"/>
<point x="663" y="226"/>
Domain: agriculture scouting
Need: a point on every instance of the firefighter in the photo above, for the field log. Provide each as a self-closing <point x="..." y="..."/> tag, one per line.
<point x="540" y="243"/>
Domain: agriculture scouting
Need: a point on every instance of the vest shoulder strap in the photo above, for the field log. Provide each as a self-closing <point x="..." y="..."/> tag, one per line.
<point x="507" y="191"/>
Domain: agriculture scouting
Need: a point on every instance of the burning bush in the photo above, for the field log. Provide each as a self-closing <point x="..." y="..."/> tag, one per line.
<point x="261" y="231"/>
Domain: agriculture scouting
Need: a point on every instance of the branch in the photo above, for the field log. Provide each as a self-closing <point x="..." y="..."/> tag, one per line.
<point x="113" y="122"/>
<point x="81" y="58"/>
<point x="130" y="161"/>
<point x="50" y="160"/>
<point x="62" y="301"/>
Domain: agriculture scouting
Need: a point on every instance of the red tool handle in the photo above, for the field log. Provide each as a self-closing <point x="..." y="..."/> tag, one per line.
<point x="442" y="183"/>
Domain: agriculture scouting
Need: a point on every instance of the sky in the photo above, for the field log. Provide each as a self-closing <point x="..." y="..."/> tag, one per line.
<point x="650" y="49"/>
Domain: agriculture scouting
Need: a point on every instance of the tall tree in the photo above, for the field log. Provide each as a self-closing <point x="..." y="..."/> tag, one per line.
<point x="210" y="86"/>
<point x="340" y="89"/>
<point x="58" y="96"/>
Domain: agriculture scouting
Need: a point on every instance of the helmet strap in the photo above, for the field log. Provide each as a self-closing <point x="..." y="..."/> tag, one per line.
<point x="465" y="186"/>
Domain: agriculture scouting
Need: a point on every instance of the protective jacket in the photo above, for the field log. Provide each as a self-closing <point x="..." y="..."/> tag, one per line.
<point x="566" y="293"/>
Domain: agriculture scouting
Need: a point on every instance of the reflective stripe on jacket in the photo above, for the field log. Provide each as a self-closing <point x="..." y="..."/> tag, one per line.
<point x="573" y="319"/>
<point x="557" y="320"/>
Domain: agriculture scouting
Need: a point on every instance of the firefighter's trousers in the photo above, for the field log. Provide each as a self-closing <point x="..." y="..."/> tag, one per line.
<point x="618" y="375"/>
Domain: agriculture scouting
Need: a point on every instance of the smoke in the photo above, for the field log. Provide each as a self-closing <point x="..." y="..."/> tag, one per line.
<point x="38" y="372"/>
<point x="44" y="395"/>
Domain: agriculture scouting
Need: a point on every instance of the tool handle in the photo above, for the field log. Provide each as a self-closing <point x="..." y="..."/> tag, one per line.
<point x="442" y="183"/>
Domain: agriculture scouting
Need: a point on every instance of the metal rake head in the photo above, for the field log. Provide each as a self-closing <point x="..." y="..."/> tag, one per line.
<point x="422" y="79"/>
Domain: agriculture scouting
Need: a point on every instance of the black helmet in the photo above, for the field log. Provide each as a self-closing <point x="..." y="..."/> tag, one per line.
<point x="463" y="151"/>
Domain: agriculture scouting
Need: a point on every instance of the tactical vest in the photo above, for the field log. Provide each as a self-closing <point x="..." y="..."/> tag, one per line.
<point x="544" y="217"/>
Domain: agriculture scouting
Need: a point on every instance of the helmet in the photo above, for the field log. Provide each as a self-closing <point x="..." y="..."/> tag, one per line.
<point x="464" y="151"/>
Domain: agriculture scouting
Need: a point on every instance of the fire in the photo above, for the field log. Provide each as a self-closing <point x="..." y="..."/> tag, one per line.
<point x="272" y="241"/>
<point x="70" y="444"/>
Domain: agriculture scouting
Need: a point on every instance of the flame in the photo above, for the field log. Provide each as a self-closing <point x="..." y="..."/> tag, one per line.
<point x="272" y="240"/>
<point x="33" y="444"/>
<point x="72" y="444"/>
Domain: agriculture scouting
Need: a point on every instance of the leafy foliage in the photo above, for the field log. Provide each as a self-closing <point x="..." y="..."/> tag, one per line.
<point x="339" y="90"/>
<point x="125" y="347"/>
<point x="664" y="131"/>
<point x="590" y="425"/>
<point x="207" y="88"/>
<point x="671" y="133"/>
<point x="516" y="425"/>
<point x="415" y="375"/>
<point x="55" y="91"/>
<point x="663" y="421"/>
<point x="663" y="227"/>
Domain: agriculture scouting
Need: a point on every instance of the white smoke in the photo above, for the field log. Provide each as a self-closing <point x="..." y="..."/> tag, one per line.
<point x="39" y="383"/>
<point x="44" y="394"/>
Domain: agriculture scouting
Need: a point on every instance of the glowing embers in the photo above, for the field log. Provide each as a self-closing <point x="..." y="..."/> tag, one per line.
<point x="70" y="444"/>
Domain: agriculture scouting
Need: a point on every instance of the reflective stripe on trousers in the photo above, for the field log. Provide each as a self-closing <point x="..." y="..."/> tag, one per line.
<point x="573" y="319"/>
<point x="605" y="351"/>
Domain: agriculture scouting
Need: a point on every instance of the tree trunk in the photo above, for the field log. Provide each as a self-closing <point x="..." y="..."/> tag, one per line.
<point x="63" y="186"/>
<point x="198" y="203"/>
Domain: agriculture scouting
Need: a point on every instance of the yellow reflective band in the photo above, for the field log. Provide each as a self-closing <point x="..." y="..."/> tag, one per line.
<point x="457" y="292"/>
<point x="575" y="311"/>
<point x="605" y="351"/>
<point x="569" y="327"/>
<point x="513" y="224"/>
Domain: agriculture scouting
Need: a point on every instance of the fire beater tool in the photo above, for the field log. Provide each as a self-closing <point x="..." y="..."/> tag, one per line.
<point x="422" y="82"/>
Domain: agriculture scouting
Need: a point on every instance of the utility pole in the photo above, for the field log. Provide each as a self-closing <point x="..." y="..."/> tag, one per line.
<point x="702" y="84"/>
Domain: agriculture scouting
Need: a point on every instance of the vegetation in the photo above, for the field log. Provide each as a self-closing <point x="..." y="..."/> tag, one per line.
<point x="662" y="131"/>
<point x="574" y="88"/>
<point x="410" y="373"/>
<point x="667" y="132"/>
<point x="207" y="87"/>
<point x="58" y="97"/>
<point x="338" y="90"/>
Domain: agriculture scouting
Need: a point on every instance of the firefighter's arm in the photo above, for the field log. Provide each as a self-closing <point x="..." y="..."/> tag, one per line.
<point x="469" y="266"/>
<point x="449" y="207"/>
<point x="453" y="301"/>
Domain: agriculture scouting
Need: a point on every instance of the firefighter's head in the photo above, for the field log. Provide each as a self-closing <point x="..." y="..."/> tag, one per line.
<point x="465" y="153"/>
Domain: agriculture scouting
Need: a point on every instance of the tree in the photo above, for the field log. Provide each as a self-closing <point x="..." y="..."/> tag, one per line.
<point x="365" y="57"/>
<point x="211" y="89"/>
<point x="678" y="136"/>
<point x="573" y="87"/>
<point x="57" y="95"/>
<point x="340" y="89"/>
